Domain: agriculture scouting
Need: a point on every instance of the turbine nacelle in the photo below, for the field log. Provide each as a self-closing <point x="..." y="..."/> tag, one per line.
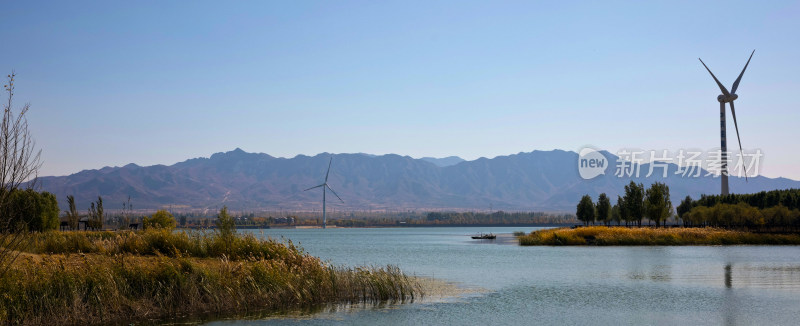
<point x="727" y="99"/>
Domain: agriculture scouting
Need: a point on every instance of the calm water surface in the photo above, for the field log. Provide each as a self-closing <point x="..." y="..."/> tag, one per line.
<point x="734" y="285"/>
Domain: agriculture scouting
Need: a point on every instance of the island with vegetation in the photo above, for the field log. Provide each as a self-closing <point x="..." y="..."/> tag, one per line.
<point x="646" y="236"/>
<point x="764" y="218"/>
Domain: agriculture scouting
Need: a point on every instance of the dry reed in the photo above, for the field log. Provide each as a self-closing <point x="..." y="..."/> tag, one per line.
<point x="106" y="277"/>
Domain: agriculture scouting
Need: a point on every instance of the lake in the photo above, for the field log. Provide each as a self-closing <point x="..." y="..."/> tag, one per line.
<point x="733" y="285"/>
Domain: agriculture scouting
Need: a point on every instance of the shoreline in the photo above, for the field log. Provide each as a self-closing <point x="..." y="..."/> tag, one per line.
<point x="646" y="236"/>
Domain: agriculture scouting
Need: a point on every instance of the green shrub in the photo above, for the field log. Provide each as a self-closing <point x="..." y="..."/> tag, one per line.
<point x="161" y="219"/>
<point x="37" y="211"/>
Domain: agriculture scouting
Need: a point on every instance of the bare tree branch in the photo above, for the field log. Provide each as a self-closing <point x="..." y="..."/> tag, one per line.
<point x="19" y="165"/>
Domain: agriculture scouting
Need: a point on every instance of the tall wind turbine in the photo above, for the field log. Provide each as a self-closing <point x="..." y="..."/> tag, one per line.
<point x="325" y="185"/>
<point x="728" y="97"/>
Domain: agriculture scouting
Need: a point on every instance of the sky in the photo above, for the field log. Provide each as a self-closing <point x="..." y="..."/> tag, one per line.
<point x="158" y="82"/>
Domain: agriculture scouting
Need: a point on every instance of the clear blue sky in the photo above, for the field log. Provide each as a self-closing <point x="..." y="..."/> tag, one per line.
<point x="114" y="82"/>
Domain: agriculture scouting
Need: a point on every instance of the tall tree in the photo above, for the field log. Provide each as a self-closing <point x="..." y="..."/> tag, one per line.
<point x="72" y="213"/>
<point x="604" y="209"/>
<point x="225" y="222"/>
<point x="623" y="210"/>
<point x="100" y="217"/>
<point x="127" y="211"/>
<point x="585" y="211"/>
<point x="634" y="202"/>
<point x="96" y="217"/>
<point x="683" y="210"/>
<point x="658" y="207"/>
<point x="91" y="217"/>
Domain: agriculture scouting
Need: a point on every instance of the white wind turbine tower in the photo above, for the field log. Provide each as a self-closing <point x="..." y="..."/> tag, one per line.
<point x="728" y="97"/>
<point x="325" y="185"/>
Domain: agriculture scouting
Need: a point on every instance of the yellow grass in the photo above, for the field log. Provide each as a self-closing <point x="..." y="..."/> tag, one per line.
<point x="105" y="277"/>
<point x="622" y="236"/>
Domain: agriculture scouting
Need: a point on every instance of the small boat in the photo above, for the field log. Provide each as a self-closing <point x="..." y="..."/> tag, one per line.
<point x="484" y="236"/>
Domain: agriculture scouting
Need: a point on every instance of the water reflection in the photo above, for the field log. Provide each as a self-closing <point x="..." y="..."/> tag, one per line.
<point x="730" y="302"/>
<point x="649" y="264"/>
<point x="728" y="281"/>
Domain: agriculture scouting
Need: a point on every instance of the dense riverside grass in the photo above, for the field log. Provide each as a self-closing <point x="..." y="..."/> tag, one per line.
<point x="108" y="277"/>
<point x="622" y="236"/>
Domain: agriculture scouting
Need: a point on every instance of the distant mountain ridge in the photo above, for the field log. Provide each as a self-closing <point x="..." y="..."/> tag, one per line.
<point x="538" y="180"/>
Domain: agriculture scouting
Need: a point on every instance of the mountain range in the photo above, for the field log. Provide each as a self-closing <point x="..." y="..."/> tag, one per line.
<point x="538" y="180"/>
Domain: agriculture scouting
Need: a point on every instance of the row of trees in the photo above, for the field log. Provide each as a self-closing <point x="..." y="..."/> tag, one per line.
<point x="777" y="209"/>
<point x="637" y="203"/>
<point x="789" y="198"/>
<point x="498" y="218"/>
<point x="742" y="215"/>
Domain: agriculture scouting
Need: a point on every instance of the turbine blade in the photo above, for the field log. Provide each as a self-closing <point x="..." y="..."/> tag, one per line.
<point x="314" y="187"/>
<point x="722" y="88"/>
<point x="736" y="83"/>
<point x="334" y="193"/>
<point x="329" y="169"/>
<point x="741" y="151"/>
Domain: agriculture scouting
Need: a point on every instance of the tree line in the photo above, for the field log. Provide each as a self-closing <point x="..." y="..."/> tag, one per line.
<point x="777" y="210"/>
<point x="411" y="219"/>
<point x="789" y="198"/>
<point x="498" y="218"/>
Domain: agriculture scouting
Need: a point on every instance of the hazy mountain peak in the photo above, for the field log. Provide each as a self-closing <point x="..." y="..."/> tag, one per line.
<point x="443" y="162"/>
<point x="237" y="153"/>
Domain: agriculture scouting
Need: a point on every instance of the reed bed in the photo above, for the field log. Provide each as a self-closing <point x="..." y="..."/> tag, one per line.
<point x="106" y="277"/>
<point x="163" y="242"/>
<point x="622" y="236"/>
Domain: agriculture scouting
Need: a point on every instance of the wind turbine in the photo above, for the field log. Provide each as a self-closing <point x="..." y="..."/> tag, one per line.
<point x="728" y="97"/>
<point x="325" y="185"/>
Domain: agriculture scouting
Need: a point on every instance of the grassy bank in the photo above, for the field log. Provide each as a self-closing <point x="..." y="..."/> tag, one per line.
<point x="105" y="277"/>
<point x="621" y="236"/>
